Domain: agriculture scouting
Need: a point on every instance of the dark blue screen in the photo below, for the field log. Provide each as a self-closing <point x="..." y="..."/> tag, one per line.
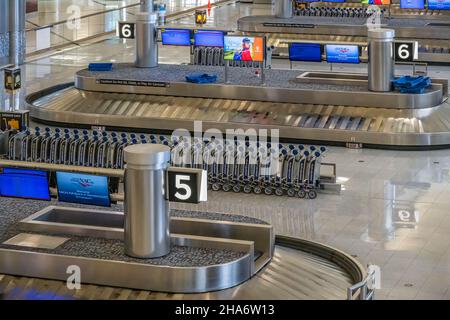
<point x="83" y="188"/>
<point x="205" y="38"/>
<point x="176" y="37"/>
<point x="305" y="52"/>
<point x="25" y="184"/>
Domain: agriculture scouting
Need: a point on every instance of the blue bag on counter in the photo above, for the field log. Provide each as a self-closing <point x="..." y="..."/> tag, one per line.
<point x="100" y="66"/>
<point x="415" y="85"/>
<point x="201" y="78"/>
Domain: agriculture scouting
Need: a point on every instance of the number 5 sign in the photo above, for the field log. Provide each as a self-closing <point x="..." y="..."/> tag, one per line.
<point x="187" y="185"/>
<point x="125" y="30"/>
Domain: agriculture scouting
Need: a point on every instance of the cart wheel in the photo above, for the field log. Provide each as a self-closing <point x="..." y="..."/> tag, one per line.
<point x="268" y="191"/>
<point x="237" y="188"/>
<point x="302" y="194"/>
<point x="312" y="194"/>
<point x="226" y="187"/>
<point x="279" y="192"/>
<point x="257" y="190"/>
<point x="247" y="189"/>
<point x="215" y="187"/>
<point x="291" y="193"/>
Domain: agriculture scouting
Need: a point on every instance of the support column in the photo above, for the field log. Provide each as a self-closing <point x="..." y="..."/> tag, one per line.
<point x="147" y="6"/>
<point x="17" y="41"/>
<point x="4" y="29"/>
<point x="283" y="9"/>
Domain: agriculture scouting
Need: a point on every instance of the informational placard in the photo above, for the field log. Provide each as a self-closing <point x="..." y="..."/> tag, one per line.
<point x="126" y="30"/>
<point x="305" y="52"/>
<point x="406" y="51"/>
<point x="187" y="185"/>
<point x="13" y="79"/>
<point x="83" y="189"/>
<point x="242" y="48"/>
<point x="337" y="53"/>
<point x="208" y="38"/>
<point x="438" y="4"/>
<point x="24" y="184"/>
<point x="412" y="4"/>
<point x="176" y="37"/>
<point x="17" y="120"/>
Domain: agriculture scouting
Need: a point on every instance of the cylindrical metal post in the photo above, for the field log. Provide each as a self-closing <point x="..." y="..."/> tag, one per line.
<point x="381" y="59"/>
<point x="4" y="29"/>
<point x="147" y="6"/>
<point x="146" y="40"/>
<point x="17" y="12"/>
<point x="283" y="9"/>
<point x="146" y="208"/>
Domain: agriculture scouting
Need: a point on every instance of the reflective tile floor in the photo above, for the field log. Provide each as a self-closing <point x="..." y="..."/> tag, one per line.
<point x="394" y="210"/>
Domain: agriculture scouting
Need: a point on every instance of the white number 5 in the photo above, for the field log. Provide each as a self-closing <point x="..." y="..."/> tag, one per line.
<point x="179" y="185"/>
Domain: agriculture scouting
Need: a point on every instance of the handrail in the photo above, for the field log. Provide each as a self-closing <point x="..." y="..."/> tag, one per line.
<point x="82" y="17"/>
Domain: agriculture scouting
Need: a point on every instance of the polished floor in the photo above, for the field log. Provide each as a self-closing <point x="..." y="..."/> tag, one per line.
<point x="393" y="210"/>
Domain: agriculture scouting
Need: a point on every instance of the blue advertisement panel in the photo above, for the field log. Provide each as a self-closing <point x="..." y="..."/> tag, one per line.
<point x="24" y="184"/>
<point x="439" y="4"/>
<point x="412" y="4"/>
<point x="305" y="52"/>
<point x="83" y="189"/>
<point x="176" y="37"/>
<point x="205" y="38"/>
<point x="337" y="53"/>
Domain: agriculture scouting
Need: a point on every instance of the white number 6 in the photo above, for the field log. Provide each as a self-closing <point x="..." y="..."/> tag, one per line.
<point x="179" y="185"/>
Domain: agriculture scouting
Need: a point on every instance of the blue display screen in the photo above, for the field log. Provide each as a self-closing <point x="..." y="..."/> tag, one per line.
<point x="439" y="4"/>
<point x="176" y="37"/>
<point x="24" y="184"/>
<point x="305" y="52"/>
<point x="83" y="189"/>
<point x="412" y="4"/>
<point x="342" y="53"/>
<point x="205" y="38"/>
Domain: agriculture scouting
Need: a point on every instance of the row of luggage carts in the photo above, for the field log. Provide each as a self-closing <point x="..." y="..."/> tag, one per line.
<point x="292" y="170"/>
<point x="210" y="56"/>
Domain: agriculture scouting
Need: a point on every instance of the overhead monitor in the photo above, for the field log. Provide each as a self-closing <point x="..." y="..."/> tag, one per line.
<point x="341" y="53"/>
<point x="439" y="4"/>
<point x="83" y="189"/>
<point x="305" y="52"/>
<point x="412" y="4"/>
<point x="24" y="184"/>
<point x="208" y="38"/>
<point x="176" y="37"/>
<point x="242" y="48"/>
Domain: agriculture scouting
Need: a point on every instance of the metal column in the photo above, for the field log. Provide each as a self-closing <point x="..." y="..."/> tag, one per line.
<point x="17" y="13"/>
<point x="147" y="6"/>
<point x="146" y="208"/>
<point x="146" y="40"/>
<point x="4" y="29"/>
<point x="381" y="59"/>
<point x="283" y="9"/>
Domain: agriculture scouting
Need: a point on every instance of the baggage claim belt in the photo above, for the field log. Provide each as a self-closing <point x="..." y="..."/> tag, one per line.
<point x="288" y="25"/>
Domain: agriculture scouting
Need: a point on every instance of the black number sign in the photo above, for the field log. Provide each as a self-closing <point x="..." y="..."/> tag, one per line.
<point x="126" y="30"/>
<point x="405" y="51"/>
<point x="186" y="185"/>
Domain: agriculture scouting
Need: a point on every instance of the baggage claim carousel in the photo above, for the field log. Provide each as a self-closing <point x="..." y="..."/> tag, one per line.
<point x="318" y="107"/>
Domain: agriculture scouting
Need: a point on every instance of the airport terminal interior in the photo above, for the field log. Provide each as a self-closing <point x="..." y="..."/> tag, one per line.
<point x="224" y="149"/>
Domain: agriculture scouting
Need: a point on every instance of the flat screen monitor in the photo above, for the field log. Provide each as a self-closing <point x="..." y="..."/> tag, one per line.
<point x="238" y="48"/>
<point x="176" y="37"/>
<point x="341" y="53"/>
<point x="305" y="52"/>
<point x="206" y="38"/>
<point x="412" y="4"/>
<point x="24" y="184"/>
<point x="83" y="189"/>
<point x="439" y="4"/>
<point x="376" y="2"/>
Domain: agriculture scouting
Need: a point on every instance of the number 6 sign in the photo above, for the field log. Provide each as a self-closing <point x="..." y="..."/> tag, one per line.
<point x="186" y="185"/>
<point x="125" y="30"/>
